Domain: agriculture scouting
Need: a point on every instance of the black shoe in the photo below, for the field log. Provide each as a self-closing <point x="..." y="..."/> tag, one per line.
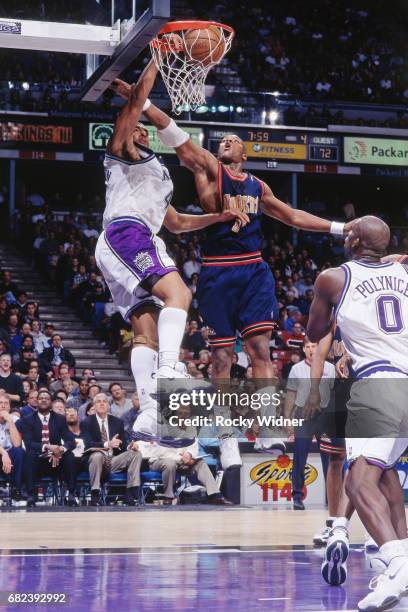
<point x="17" y="495"/>
<point x="168" y="501"/>
<point x="72" y="502"/>
<point x="95" y="498"/>
<point x="219" y="500"/>
<point x="298" y="504"/>
<point x="132" y="496"/>
<point x="30" y="502"/>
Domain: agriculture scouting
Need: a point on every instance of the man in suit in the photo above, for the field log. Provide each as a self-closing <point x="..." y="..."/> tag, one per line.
<point x="52" y="357"/>
<point x="105" y="431"/>
<point x="49" y="444"/>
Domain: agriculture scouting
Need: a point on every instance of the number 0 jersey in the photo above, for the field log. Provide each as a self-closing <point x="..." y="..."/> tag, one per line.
<point x="373" y="316"/>
<point x="139" y="189"/>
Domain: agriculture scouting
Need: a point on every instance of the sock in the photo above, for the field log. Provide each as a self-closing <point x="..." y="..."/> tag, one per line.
<point x="392" y="549"/>
<point x="341" y="522"/>
<point x="404" y="542"/>
<point x="170" y="327"/>
<point x="144" y="363"/>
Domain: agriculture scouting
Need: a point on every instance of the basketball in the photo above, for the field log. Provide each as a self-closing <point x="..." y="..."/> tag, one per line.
<point x="205" y="45"/>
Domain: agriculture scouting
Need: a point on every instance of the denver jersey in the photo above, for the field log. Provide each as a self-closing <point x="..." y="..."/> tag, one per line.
<point x="139" y="189"/>
<point x="373" y="316"/>
<point x="244" y="193"/>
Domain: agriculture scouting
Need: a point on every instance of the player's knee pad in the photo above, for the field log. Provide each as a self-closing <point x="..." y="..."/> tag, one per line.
<point x="142" y="340"/>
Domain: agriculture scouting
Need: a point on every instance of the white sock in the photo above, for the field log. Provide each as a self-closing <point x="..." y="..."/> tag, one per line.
<point x="340" y="522"/>
<point x="404" y="542"/>
<point x="144" y="363"/>
<point x="392" y="549"/>
<point x="170" y="327"/>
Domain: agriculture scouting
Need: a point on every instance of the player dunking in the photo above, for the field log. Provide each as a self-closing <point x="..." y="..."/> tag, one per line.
<point x="142" y="278"/>
<point x="236" y="289"/>
<point x="370" y="299"/>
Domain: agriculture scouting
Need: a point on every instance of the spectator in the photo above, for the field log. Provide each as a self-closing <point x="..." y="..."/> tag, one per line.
<point x="75" y="427"/>
<point x="11" y="452"/>
<point x="204" y="361"/>
<point x="193" y="340"/>
<point x="79" y="396"/>
<point x="9" y="382"/>
<point x="191" y="266"/>
<point x="49" y="445"/>
<point x="119" y="403"/>
<point x="43" y="341"/>
<point x="31" y="404"/>
<point x="58" y="406"/>
<point x="295" y="316"/>
<point x="56" y="354"/>
<point x="7" y="287"/>
<point x="37" y="375"/>
<point x="297" y="391"/>
<point x="130" y="416"/>
<point x="237" y="371"/>
<point x="29" y="313"/>
<point x="63" y="374"/>
<point x="106" y="431"/>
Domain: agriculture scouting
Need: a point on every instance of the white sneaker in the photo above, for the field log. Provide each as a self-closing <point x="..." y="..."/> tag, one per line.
<point x="388" y="588"/>
<point x="272" y="446"/>
<point x="178" y="371"/>
<point x="370" y="544"/>
<point x="321" y="537"/>
<point x="334" y="567"/>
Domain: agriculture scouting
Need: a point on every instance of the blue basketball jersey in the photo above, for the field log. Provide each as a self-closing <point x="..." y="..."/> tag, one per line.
<point x="243" y="193"/>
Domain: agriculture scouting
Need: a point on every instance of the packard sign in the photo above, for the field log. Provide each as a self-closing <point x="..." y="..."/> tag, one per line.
<point x="378" y="151"/>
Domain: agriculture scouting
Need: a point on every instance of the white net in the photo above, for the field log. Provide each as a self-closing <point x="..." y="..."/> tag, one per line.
<point x="184" y="59"/>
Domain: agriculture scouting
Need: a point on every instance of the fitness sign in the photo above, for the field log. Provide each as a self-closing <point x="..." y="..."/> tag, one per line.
<point x="270" y="481"/>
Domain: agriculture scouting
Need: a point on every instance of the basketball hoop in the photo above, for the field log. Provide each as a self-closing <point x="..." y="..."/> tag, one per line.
<point x="184" y="53"/>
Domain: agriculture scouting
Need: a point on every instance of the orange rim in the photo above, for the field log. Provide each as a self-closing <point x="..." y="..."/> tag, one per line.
<point x="174" y="26"/>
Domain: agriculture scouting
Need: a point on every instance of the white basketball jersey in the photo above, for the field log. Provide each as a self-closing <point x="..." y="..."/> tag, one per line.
<point x="373" y="316"/>
<point x="140" y="189"/>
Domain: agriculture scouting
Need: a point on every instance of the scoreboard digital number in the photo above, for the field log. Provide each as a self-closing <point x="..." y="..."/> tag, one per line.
<point x="284" y="145"/>
<point x="324" y="148"/>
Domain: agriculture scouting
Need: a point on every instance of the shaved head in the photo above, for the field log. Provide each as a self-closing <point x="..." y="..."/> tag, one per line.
<point x="368" y="236"/>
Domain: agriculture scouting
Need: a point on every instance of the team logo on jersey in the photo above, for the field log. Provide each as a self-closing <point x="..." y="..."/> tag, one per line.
<point x="143" y="261"/>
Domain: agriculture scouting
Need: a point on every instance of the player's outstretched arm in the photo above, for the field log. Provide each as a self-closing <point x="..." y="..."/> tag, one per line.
<point x="177" y="223"/>
<point x="327" y="291"/>
<point x="128" y="117"/>
<point x="195" y="158"/>
<point x="273" y="207"/>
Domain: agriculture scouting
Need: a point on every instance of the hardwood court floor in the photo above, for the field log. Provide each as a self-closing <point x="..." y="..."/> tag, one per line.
<point x="157" y="527"/>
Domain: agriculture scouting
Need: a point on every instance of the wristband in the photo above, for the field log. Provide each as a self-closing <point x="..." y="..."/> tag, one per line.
<point x="146" y="105"/>
<point x="172" y="136"/>
<point x="337" y="229"/>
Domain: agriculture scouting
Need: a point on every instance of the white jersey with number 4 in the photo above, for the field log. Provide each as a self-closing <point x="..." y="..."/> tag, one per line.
<point x="373" y="316"/>
<point x="139" y="189"/>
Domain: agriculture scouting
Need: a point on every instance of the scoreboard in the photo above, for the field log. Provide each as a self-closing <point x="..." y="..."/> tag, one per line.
<point x="296" y="145"/>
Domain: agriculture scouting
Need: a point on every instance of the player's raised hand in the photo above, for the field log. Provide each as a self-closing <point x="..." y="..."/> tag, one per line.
<point x="122" y="88"/>
<point x="241" y="219"/>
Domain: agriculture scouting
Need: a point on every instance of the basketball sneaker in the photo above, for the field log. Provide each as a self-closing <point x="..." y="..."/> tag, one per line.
<point x="334" y="567"/>
<point x="272" y="446"/>
<point x="388" y="588"/>
<point x="321" y="537"/>
<point x="370" y="544"/>
<point x="178" y="371"/>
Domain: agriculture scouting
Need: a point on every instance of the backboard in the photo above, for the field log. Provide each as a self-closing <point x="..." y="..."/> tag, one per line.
<point x="109" y="33"/>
